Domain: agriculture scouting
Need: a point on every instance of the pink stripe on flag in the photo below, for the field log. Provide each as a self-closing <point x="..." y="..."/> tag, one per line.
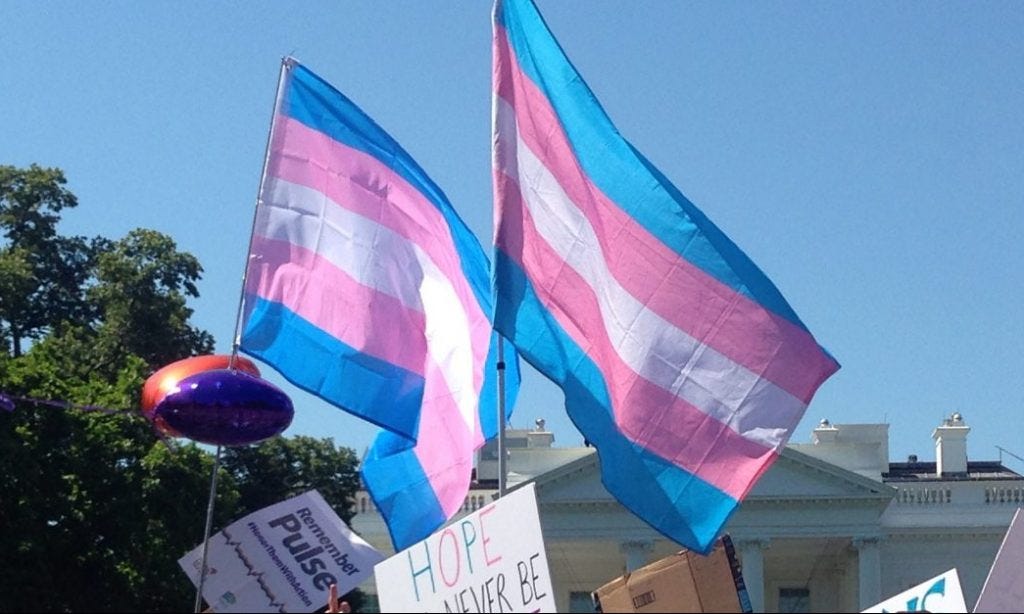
<point x="664" y="281"/>
<point x="313" y="288"/>
<point x="362" y="184"/>
<point x="443" y="444"/>
<point x="380" y="326"/>
<point x="647" y="414"/>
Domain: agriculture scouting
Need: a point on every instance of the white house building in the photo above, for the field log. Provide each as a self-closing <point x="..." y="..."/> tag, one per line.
<point x="832" y="526"/>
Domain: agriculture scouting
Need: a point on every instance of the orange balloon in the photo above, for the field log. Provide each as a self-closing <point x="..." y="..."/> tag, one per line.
<point x="162" y="426"/>
<point x="166" y="378"/>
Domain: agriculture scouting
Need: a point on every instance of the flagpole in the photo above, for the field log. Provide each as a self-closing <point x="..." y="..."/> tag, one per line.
<point x="502" y="469"/>
<point x="286" y="63"/>
<point x="206" y="533"/>
<point x="236" y="339"/>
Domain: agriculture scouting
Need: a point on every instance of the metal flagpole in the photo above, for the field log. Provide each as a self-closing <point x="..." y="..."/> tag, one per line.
<point x="286" y="64"/>
<point x="502" y="469"/>
<point x="209" y="526"/>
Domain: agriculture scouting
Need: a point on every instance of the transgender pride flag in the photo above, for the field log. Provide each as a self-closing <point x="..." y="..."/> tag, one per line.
<point x="365" y="288"/>
<point x="680" y="361"/>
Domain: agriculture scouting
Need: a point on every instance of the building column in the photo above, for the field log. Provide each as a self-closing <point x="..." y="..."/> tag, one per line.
<point x="869" y="568"/>
<point x="752" y="566"/>
<point x="636" y="552"/>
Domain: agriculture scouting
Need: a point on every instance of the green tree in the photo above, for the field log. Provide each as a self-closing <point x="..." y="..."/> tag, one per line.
<point x="142" y="280"/>
<point x="285" y="467"/>
<point x="16" y="285"/>
<point x="42" y="274"/>
<point x="92" y="500"/>
<point x="95" y="510"/>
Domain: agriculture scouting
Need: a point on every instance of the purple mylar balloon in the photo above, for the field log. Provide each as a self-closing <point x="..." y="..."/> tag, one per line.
<point x="226" y="407"/>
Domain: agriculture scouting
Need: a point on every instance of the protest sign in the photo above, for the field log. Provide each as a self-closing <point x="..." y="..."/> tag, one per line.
<point x="940" y="594"/>
<point x="490" y="561"/>
<point x="282" y="558"/>
<point x="1004" y="588"/>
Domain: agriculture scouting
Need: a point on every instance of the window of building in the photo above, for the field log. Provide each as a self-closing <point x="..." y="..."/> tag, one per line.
<point x="581" y="601"/>
<point x="794" y="600"/>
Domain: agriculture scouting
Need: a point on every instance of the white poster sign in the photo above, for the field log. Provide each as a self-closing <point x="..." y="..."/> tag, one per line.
<point x="492" y="560"/>
<point x="940" y="594"/>
<point x="1004" y="587"/>
<point x="282" y="558"/>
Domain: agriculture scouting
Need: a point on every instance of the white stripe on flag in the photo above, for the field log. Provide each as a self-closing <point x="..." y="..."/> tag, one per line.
<point x="379" y="258"/>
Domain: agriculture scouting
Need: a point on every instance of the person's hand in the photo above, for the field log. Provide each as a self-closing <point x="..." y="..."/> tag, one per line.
<point x="332" y="601"/>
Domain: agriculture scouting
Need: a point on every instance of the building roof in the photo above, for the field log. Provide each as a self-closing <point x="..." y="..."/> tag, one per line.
<point x="926" y="472"/>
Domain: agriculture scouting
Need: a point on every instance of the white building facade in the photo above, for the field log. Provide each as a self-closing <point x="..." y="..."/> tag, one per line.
<point x="832" y="526"/>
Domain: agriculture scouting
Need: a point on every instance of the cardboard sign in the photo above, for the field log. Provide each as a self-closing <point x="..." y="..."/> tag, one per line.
<point x="683" y="582"/>
<point x="282" y="558"/>
<point x="1004" y="588"/>
<point x="492" y="560"/>
<point x="940" y="594"/>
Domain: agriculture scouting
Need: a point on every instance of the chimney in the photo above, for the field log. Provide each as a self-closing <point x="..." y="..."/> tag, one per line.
<point x="539" y="437"/>
<point x="951" y="446"/>
<point x="825" y="433"/>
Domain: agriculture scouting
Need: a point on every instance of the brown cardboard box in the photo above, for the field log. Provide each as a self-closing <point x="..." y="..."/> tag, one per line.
<point x="683" y="582"/>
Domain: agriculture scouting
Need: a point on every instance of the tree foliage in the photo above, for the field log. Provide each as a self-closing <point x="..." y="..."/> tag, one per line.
<point x="95" y="510"/>
<point x="286" y="467"/>
<point x="42" y="274"/>
<point x="142" y="279"/>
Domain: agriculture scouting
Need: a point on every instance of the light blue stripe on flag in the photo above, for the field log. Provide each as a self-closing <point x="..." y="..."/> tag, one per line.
<point x="410" y="504"/>
<point x="309" y="358"/>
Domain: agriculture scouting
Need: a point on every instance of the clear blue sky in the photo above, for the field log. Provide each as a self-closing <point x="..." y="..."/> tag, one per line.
<point x="869" y="156"/>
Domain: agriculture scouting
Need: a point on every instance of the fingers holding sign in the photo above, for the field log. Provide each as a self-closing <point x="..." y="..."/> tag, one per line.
<point x="332" y="601"/>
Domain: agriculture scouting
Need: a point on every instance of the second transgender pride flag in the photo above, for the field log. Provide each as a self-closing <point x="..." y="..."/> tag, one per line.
<point x="366" y="289"/>
<point x="680" y="360"/>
